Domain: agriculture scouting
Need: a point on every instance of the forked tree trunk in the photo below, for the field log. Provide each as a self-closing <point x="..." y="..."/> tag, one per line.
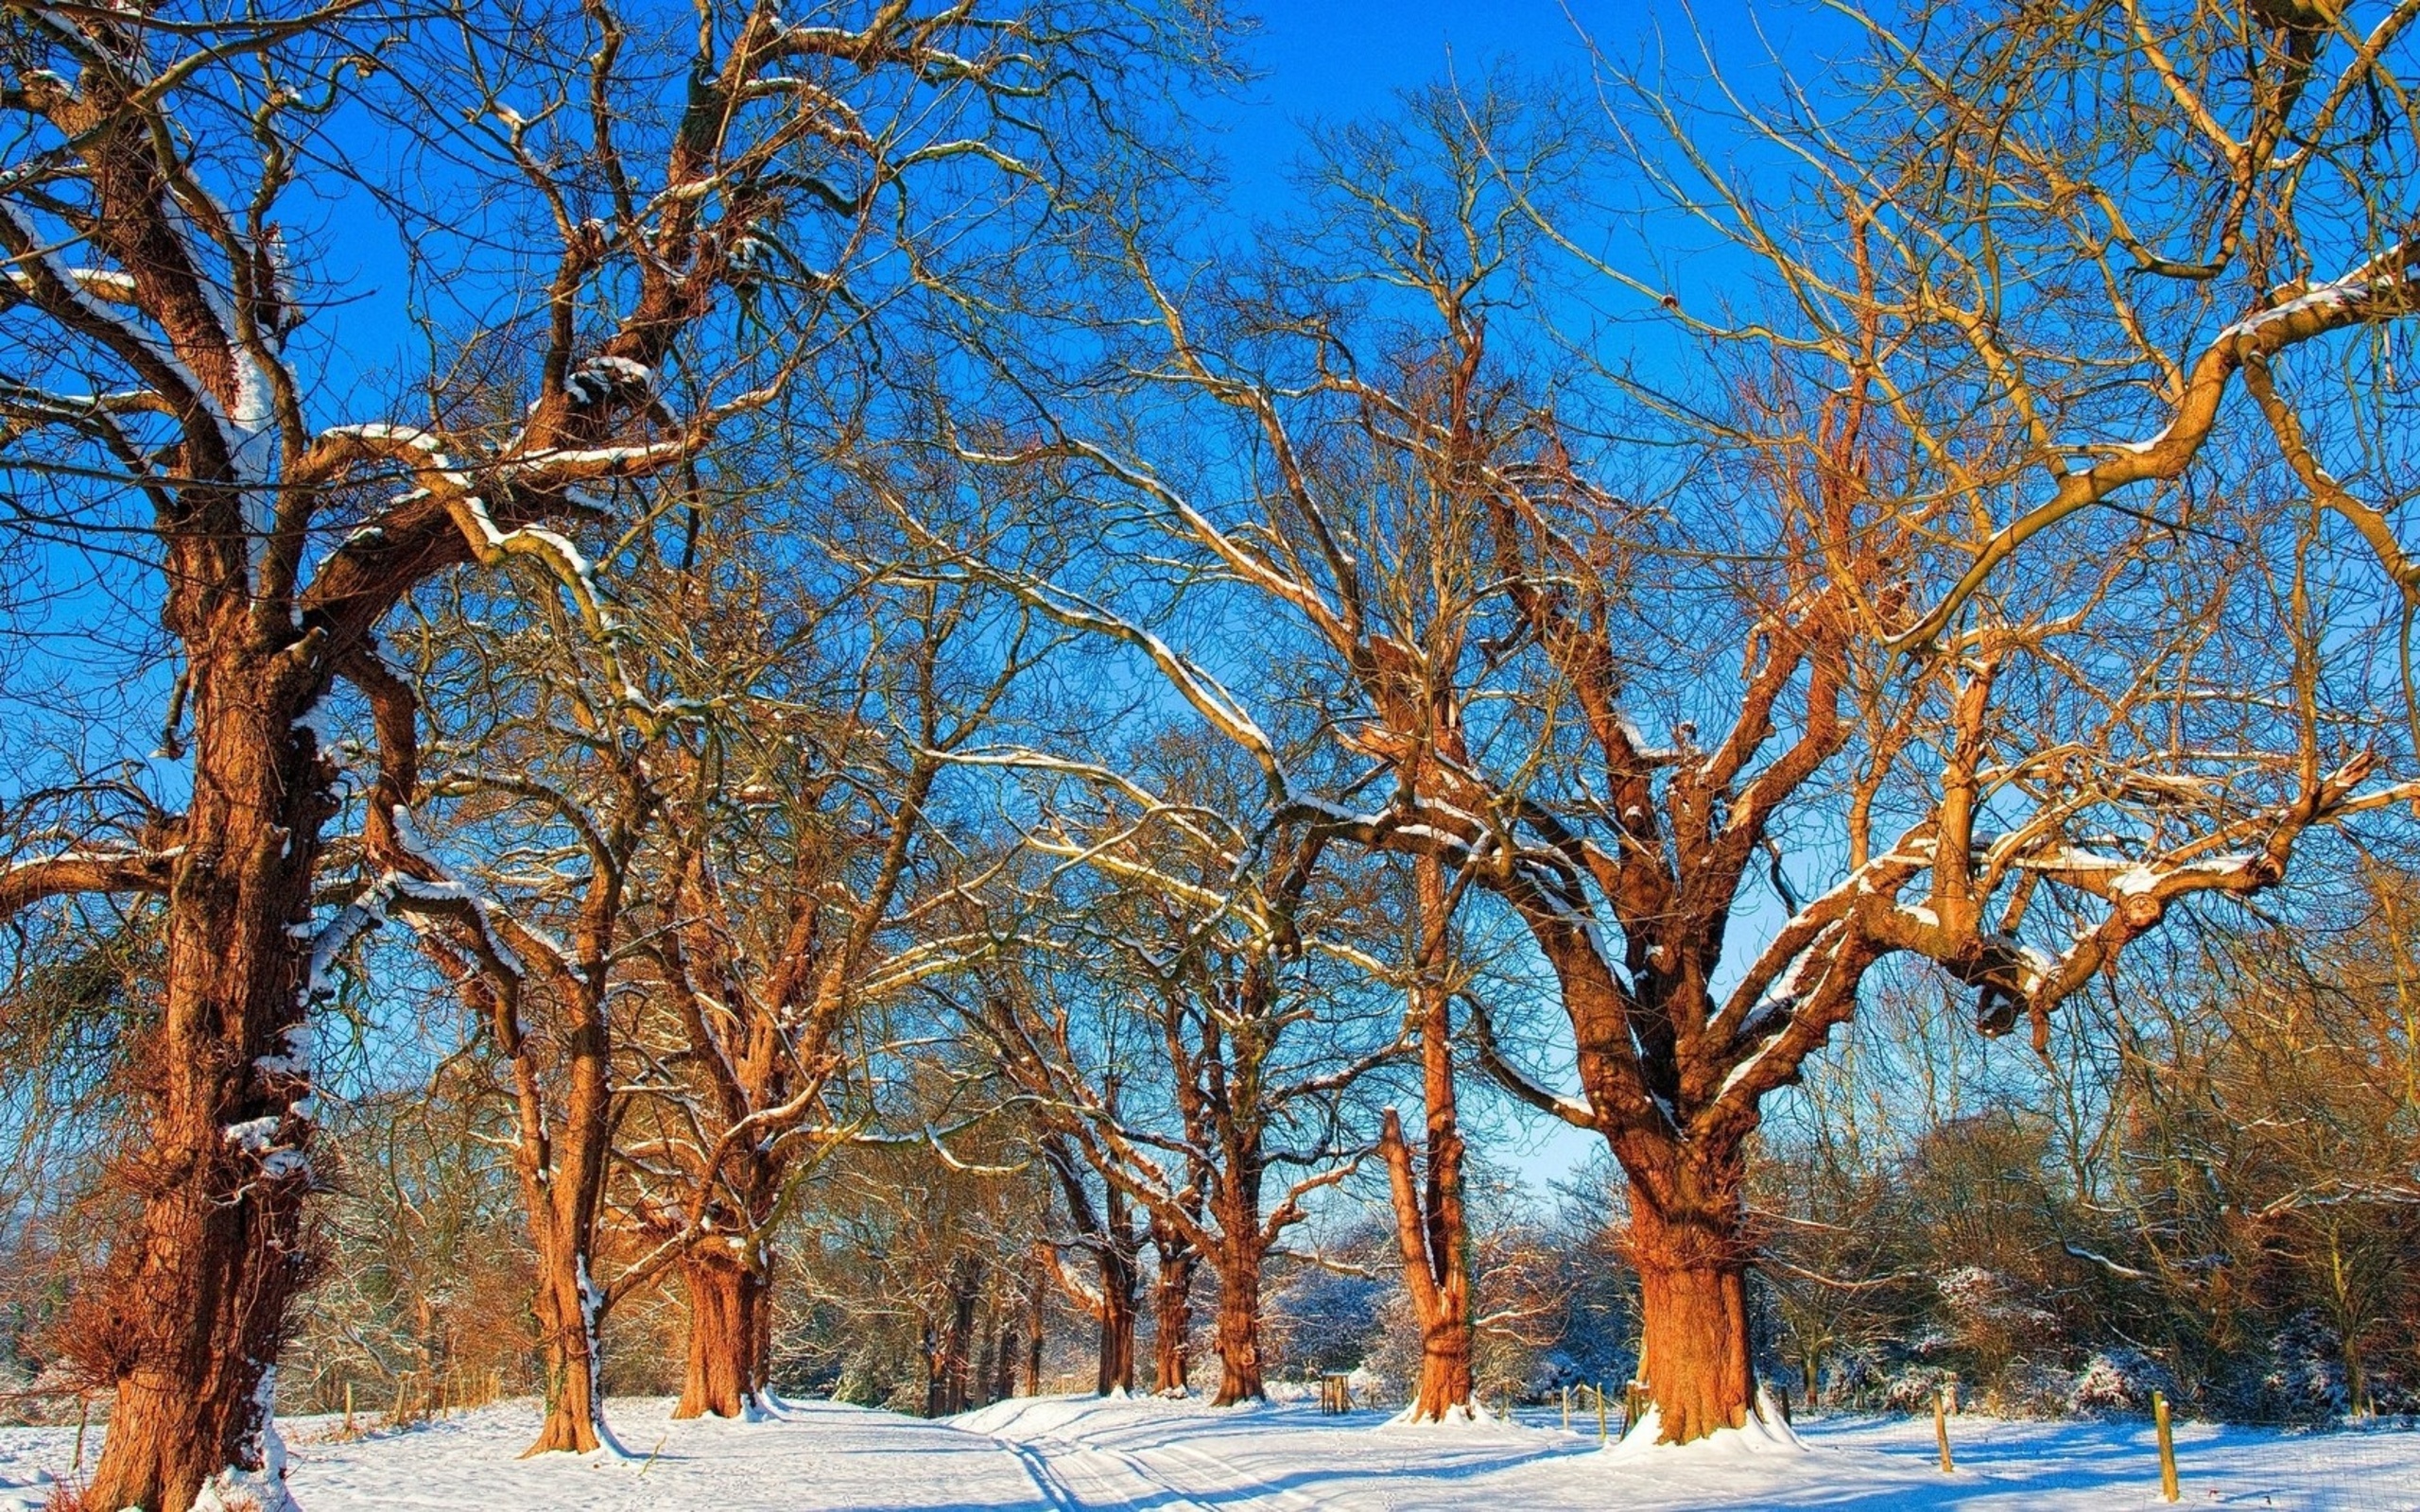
<point x="1172" y="1320"/>
<point x="565" y="1305"/>
<point x="1239" y="1327"/>
<point x="1432" y="1228"/>
<point x="1115" y="1374"/>
<point x="193" y="1305"/>
<point x="1691" y="1256"/>
<point x="1437" y="1279"/>
<point x="727" y="1331"/>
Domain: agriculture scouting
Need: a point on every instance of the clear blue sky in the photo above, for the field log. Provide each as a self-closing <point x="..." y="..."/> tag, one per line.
<point x="1336" y="60"/>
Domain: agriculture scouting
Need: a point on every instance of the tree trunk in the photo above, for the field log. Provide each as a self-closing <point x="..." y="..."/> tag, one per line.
<point x="1431" y="1225"/>
<point x="1172" y="1322"/>
<point x="192" y="1309"/>
<point x="727" y="1297"/>
<point x="1116" y="1376"/>
<point x="1004" y="1365"/>
<point x="1691" y="1259"/>
<point x="1239" y="1329"/>
<point x="945" y="1385"/>
<point x="565" y="1306"/>
<point x="1034" y="1315"/>
<point x="1437" y="1285"/>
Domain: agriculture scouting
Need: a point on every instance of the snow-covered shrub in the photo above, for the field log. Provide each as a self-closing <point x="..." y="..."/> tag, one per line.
<point x="1913" y="1388"/>
<point x="2305" y="1382"/>
<point x="2118" y="1381"/>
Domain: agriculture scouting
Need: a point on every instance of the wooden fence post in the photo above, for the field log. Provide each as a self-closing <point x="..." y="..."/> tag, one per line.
<point x="83" y="1420"/>
<point x="348" y="1409"/>
<point x="1941" y="1429"/>
<point x="1601" y="1412"/>
<point x="2168" y="1491"/>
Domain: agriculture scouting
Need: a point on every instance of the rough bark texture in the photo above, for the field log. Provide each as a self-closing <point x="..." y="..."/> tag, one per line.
<point x="1692" y="1264"/>
<point x="1239" y="1327"/>
<point x="1116" y="1372"/>
<point x="563" y="1183"/>
<point x="1004" y="1365"/>
<point x="727" y="1331"/>
<point x="1172" y="1313"/>
<point x="1437" y="1280"/>
<point x="567" y="1340"/>
<point x="189" y="1318"/>
<point x="1116" y="1241"/>
<point x="950" y="1343"/>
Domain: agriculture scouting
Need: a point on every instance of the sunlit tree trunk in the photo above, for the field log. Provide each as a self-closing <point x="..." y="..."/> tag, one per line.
<point x="1172" y="1311"/>
<point x="1691" y="1255"/>
<point x="193" y="1303"/>
<point x="1431" y="1225"/>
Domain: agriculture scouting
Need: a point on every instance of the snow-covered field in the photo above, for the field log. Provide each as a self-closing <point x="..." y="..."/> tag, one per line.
<point x="1077" y="1455"/>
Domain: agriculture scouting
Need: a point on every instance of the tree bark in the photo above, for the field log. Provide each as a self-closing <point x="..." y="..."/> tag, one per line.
<point x="1004" y="1364"/>
<point x="1691" y="1257"/>
<point x="1438" y="1283"/>
<point x="727" y="1303"/>
<point x="1115" y="1374"/>
<point x="192" y="1309"/>
<point x="1173" y="1313"/>
<point x="945" y="1385"/>
<point x="1239" y="1327"/>
<point x="1432" y="1226"/>
<point x="1034" y="1317"/>
<point x="564" y="1306"/>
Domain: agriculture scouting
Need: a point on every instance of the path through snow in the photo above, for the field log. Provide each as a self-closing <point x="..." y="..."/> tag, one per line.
<point x="1078" y="1454"/>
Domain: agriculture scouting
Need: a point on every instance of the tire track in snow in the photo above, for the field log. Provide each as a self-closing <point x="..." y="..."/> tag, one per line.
<point x="1075" y="1476"/>
<point x="1235" y="1490"/>
<point x="1044" y="1479"/>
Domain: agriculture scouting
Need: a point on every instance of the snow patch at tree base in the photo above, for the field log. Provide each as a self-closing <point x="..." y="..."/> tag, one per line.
<point x="1765" y="1434"/>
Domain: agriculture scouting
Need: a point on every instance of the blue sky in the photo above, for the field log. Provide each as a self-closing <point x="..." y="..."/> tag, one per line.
<point x="1336" y="59"/>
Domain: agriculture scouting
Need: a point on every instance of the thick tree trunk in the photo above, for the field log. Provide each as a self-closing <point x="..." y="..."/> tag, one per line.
<point x="1116" y="1375"/>
<point x="565" y="1306"/>
<point x="192" y="1308"/>
<point x="1691" y="1258"/>
<point x="1172" y="1318"/>
<point x="562" y="1173"/>
<point x="1239" y="1329"/>
<point x="727" y="1301"/>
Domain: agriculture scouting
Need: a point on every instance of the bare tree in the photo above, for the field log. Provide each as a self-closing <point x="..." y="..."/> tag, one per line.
<point x="1205" y="953"/>
<point x="1108" y="1230"/>
<point x="151" y="284"/>
<point x="1496" y="624"/>
<point x="796" y="888"/>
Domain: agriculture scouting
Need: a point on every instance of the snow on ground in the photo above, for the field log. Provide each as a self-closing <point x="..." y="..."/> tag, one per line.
<point x="1079" y="1454"/>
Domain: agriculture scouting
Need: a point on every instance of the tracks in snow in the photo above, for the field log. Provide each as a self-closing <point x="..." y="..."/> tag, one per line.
<point x="1073" y="1476"/>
